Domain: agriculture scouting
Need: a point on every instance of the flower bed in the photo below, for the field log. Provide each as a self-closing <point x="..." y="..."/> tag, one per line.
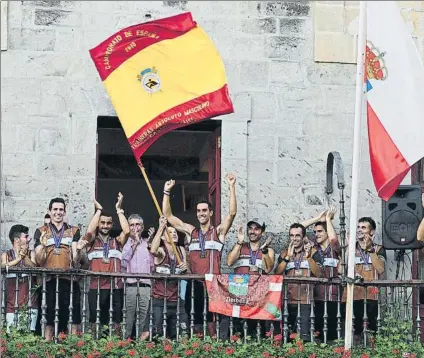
<point x="392" y="342"/>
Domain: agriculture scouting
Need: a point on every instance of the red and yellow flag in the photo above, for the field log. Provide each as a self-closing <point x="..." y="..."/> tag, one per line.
<point x="162" y="75"/>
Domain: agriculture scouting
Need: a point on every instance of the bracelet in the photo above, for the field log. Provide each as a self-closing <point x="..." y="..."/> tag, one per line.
<point x="166" y="192"/>
<point x="286" y="259"/>
<point x="120" y="211"/>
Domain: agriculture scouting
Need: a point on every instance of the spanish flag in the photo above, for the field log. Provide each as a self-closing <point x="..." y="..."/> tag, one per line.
<point x="162" y="75"/>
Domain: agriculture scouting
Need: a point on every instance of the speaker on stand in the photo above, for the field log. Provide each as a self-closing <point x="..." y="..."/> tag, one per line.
<point x="402" y="215"/>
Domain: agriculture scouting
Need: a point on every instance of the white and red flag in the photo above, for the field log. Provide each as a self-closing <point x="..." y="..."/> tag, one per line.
<point x="394" y="77"/>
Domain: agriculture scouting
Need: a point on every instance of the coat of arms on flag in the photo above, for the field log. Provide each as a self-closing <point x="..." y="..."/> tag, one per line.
<point x="245" y="296"/>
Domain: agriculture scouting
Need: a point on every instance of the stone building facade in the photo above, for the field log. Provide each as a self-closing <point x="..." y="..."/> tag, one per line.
<point x="291" y="74"/>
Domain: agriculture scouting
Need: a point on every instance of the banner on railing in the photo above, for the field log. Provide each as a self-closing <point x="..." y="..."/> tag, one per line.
<point x="245" y="296"/>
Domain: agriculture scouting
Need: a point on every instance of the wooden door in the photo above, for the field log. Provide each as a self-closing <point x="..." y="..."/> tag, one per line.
<point x="214" y="171"/>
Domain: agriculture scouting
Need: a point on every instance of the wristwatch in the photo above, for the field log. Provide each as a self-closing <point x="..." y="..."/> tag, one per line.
<point x="287" y="259"/>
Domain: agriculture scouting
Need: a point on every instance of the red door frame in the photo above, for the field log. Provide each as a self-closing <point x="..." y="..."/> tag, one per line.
<point x="214" y="174"/>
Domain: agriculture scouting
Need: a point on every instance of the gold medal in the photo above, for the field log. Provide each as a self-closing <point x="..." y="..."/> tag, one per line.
<point x="298" y="273"/>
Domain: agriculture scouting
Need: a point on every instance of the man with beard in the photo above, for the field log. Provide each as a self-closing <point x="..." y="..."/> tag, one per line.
<point x="327" y="244"/>
<point x="136" y="259"/>
<point x="205" y="248"/>
<point x="370" y="261"/>
<point x="56" y="247"/>
<point x="301" y="259"/>
<point x="251" y="258"/>
<point x="104" y="255"/>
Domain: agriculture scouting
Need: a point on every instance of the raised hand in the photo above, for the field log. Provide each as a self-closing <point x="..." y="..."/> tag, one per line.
<point x="23" y="251"/>
<point x="231" y="179"/>
<point x="119" y="201"/>
<point x="367" y="241"/>
<point x="330" y="213"/>
<point x="163" y="221"/>
<point x="290" y="250"/>
<point x="308" y="248"/>
<point x="169" y="185"/>
<point x="322" y="215"/>
<point x="43" y="239"/>
<point x="240" y="235"/>
<point x="97" y="206"/>
<point x="267" y="242"/>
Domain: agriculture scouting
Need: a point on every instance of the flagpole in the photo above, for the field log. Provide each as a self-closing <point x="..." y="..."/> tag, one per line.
<point x="152" y="193"/>
<point x="360" y="61"/>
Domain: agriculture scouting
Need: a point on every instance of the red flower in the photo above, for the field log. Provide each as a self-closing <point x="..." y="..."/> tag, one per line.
<point x="229" y="351"/>
<point x="300" y="349"/>
<point x="175" y="356"/>
<point x="278" y="337"/>
<point x="292" y="335"/>
<point x="132" y="352"/>
<point x="167" y="348"/>
<point x="299" y="343"/>
<point x="268" y="334"/>
<point x="291" y="351"/>
<point x="80" y="343"/>
<point x="266" y="354"/>
<point x="234" y="338"/>
<point x="61" y="336"/>
<point x="365" y="356"/>
<point x="207" y="347"/>
<point x="313" y="355"/>
<point x="195" y="345"/>
<point x="338" y="350"/>
<point x="150" y="345"/>
<point x="2" y="349"/>
<point x="19" y="345"/>
<point x="188" y="352"/>
<point x="199" y="335"/>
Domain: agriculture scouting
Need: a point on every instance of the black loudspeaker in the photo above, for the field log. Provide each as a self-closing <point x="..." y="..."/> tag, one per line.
<point x="402" y="215"/>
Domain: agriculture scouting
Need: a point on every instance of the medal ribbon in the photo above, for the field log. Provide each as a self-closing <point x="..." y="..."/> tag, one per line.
<point x="365" y="257"/>
<point x="325" y="252"/>
<point x="106" y="249"/>
<point x="298" y="262"/>
<point x="253" y="255"/>
<point x="202" y="240"/>
<point x="57" y="237"/>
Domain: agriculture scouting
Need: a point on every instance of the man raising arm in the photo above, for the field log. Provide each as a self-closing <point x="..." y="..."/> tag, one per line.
<point x="205" y="245"/>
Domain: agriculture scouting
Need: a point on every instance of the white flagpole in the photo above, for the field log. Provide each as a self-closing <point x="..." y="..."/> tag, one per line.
<point x="360" y="60"/>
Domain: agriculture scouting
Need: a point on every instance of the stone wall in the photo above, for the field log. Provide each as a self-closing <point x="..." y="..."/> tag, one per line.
<point x="290" y="110"/>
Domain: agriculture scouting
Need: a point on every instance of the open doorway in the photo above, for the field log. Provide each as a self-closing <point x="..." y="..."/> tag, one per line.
<point x="190" y="155"/>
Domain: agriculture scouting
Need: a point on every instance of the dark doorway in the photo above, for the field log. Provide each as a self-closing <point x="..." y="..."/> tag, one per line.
<point x="190" y="156"/>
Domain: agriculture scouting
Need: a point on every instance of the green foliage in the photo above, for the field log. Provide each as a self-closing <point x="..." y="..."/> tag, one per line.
<point x="394" y="341"/>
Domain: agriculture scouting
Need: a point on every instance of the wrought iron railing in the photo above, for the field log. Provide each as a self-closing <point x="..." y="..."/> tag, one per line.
<point x="399" y="298"/>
